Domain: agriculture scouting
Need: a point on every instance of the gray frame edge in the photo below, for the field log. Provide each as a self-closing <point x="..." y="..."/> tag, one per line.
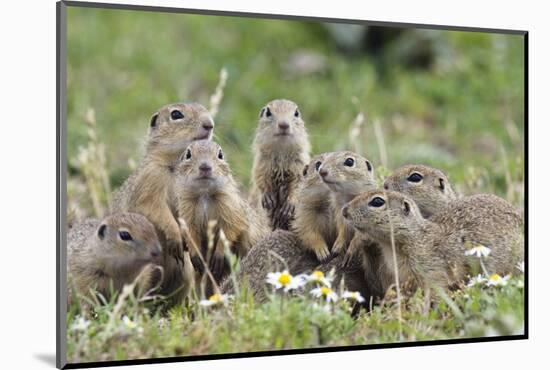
<point x="61" y="188"/>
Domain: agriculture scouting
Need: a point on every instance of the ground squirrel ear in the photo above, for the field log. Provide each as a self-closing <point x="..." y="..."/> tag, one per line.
<point x="305" y="170"/>
<point x="441" y="184"/>
<point x="406" y="208"/>
<point x="153" y="122"/>
<point x="369" y="166"/>
<point x="101" y="231"/>
<point x="262" y="112"/>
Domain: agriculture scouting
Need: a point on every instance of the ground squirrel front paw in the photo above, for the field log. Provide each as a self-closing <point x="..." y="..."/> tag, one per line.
<point x="322" y="254"/>
<point x="268" y="201"/>
<point x="217" y="264"/>
<point x="197" y="264"/>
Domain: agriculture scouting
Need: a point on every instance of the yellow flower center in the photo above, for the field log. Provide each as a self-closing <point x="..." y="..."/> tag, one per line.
<point x="318" y="275"/>
<point x="285" y="278"/>
<point x="215" y="298"/>
<point x="325" y="291"/>
<point x="494" y="277"/>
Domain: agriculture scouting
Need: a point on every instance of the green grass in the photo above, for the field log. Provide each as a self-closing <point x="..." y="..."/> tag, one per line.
<point x="464" y="114"/>
<point x="290" y="322"/>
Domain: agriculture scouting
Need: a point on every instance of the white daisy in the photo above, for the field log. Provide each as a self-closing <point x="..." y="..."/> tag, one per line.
<point x="215" y="299"/>
<point x="479" y="279"/>
<point x="80" y="324"/>
<point x="497" y="280"/>
<point x="354" y="296"/>
<point x="319" y="277"/>
<point x="521" y="266"/>
<point x="285" y="280"/>
<point x="325" y="292"/>
<point x="478" y="251"/>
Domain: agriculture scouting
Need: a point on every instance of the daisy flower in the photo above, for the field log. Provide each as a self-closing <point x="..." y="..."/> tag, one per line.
<point x="285" y="280"/>
<point x="478" y="251"/>
<point x="319" y="277"/>
<point x="479" y="279"/>
<point x="80" y="324"/>
<point x="325" y="292"/>
<point x="497" y="280"/>
<point x="354" y="296"/>
<point x="215" y="299"/>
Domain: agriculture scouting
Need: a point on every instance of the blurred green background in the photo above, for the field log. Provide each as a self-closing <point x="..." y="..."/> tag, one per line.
<point x="450" y="99"/>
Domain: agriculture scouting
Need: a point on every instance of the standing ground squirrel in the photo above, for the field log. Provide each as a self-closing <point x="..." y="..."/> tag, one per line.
<point x="281" y="150"/>
<point x="207" y="191"/>
<point x="111" y="253"/>
<point x="427" y="186"/>
<point x="433" y="252"/>
<point x="148" y="190"/>
<point x="347" y="174"/>
<point x="314" y="216"/>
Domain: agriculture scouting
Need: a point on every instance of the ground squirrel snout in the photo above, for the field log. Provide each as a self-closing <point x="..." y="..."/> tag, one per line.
<point x="428" y="186"/>
<point x="113" y="251"/>
<point x="281" y="150"/>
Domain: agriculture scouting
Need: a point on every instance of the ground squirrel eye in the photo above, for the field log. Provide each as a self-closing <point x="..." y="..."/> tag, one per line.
<point x="176" y="114"/>
<point x="441" y="184"/>
<point x="350" y="162"/>
<point x="377" y="202"/>
<point x="188" y="154"/>
<point x="125" y="235"/>
<point x="220" y="154"/>
<point x="317" y="165"/>
<point x="267" y="112"/>
<point x="297" y="113"/>
<point x="369" y="166"/>
<point x="415" y="177"/>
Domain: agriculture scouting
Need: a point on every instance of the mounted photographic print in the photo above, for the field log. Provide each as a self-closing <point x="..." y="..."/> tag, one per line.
<point x="235" y="184"/>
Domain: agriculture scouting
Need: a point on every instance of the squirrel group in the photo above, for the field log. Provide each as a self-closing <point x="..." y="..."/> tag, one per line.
<point x="183" y="212"/>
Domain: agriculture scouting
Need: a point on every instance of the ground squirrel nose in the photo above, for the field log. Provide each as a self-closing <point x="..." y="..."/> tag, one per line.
<point x="323" y="172"/>
<point x="386" y="187"/>
<point x="284" y="125"/>
<point x="345" y="212"/>
<point x="208" y="126"/>
<point x="205" y="167"/>
<point x="155" y="253"/>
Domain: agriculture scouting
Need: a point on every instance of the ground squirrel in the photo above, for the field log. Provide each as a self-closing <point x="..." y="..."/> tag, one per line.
<point x="433" y="252"/>
<point x="347" y="174"/>
<point x="429" y="187"/>
<point x="281" y="150"/>
<point x="207" y="191"/>
<point x="111" y="253"/>
<point x="148" y="190"/>
<point x="314" y="216"/>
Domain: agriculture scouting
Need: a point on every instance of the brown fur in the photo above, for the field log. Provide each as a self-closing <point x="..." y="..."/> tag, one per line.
<point x="345" y="183"/>
<point x="99" y="259"/>
<point x="431" y="194"/>
<point x="149" y="191"/>
<point x="432" y="252"/>
<point x="279" y="161"/>
<point x="314" y="217"/>
<point x="214" y="195"/>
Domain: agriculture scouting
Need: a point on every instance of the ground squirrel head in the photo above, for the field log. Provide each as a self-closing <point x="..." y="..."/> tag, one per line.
<point x="377" y="213"/>
<point x="202" y="168"/>
<point x="126" y="241"/>
<point x="310" y="173"/>
<point x="280" y="127"/>
<point x="427" y="186"/>
<point x="347" y="173"/>
<point x="174" y="126"/>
